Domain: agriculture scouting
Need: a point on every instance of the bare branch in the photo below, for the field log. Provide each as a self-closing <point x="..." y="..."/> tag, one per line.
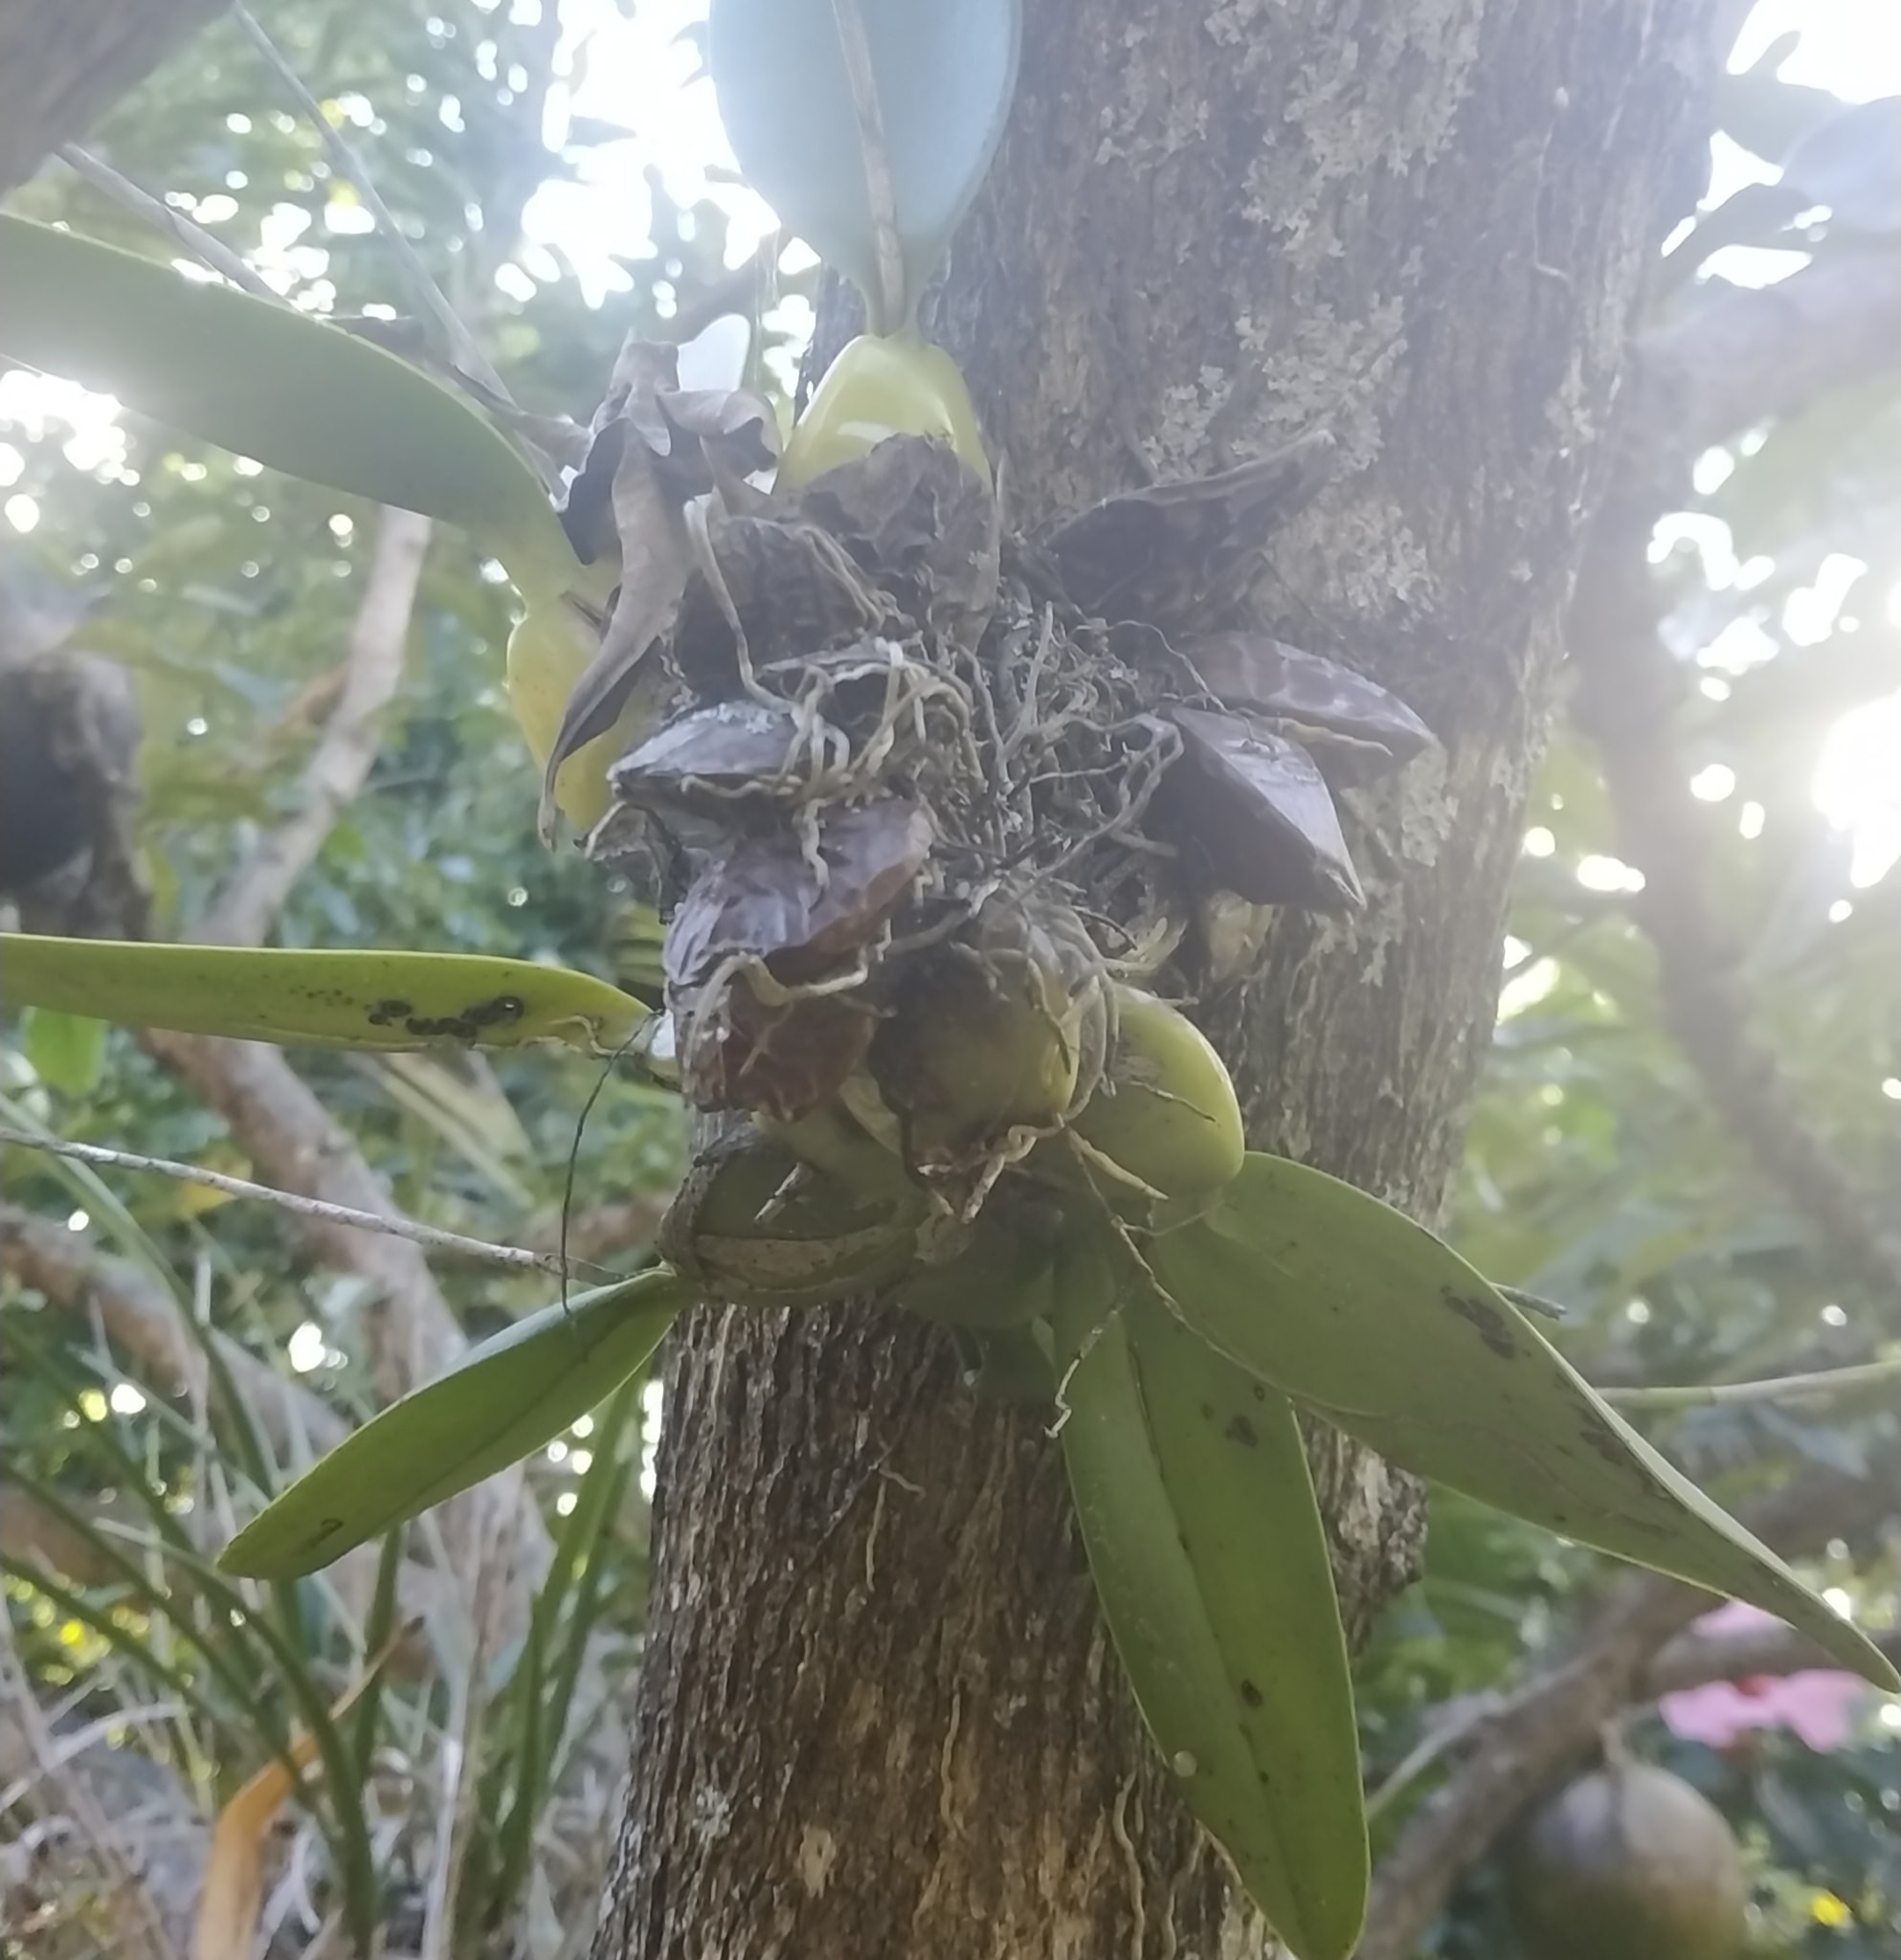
<point x="176" y="226"/>
<point x="1748" y="355"/>
<point x="1781" y="1387"/>
<point x="1693" y="1660"/>
<point x="140" y="1317"/>
<point x="600" y="1234"/>
<point x="257" y="890"/>
<point x="1629" y="691"/>
<point x="1539" y="1730"/>
<point x="429" y="1236"/>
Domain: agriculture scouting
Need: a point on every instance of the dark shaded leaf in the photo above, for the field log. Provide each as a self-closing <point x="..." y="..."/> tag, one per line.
<point x="707" y="758"/>
<point x="783" y="1057"/>
<point x="767" y="904"/>
<point x="923" y="524"/>
<point x="1178" y="554"/>
<point x="1252" y="810"/>
<point x="1354" y="726"/>
<point x="794" y="592"/>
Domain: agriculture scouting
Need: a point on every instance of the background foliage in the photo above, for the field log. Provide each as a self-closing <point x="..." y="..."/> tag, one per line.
<point x="1624" y="1160"/>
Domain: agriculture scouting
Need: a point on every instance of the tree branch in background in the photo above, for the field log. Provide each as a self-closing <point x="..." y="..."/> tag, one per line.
<point x="141" y="1318"/>
<point x="1542" y="1729"/>
<point x="431" y="1237"/>
<point x="464" y="348"/>
<point x="257" y="890"/>
<point x="1739" y="358"/>
<point x="1693" y="1660"/>
<point x="1749" y="355"/>
<point x="62" y="66"/>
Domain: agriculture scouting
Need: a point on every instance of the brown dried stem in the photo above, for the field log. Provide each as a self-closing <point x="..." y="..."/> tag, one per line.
<point x="257" y="890"/>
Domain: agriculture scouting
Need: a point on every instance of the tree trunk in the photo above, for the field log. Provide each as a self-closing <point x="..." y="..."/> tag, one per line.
<point x="877" y="1715"/>
<point x="64" y="63"/>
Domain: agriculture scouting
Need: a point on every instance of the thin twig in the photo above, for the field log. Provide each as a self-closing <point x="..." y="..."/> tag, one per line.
<point x="427" y="1236"/>
<point x="193" y="238"/>
<point x="1783" y="1388"/>
<point x="464" y="350"/>
<point x="255" y="891"/>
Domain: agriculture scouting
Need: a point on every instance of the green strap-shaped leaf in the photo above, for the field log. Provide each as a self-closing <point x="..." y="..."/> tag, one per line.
<point x="1350" y="1307"/>
<point x="375" y="1000"/>
<point x="1206" y="1549"/>
<point x="272" y="384"/>
<point x="508" y="1398"/>
<point x="943" y="75"/>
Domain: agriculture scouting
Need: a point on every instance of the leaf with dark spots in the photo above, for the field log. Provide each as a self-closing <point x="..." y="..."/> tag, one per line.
<point x="1494" y="1328"/>
<point x="921" y="523"/>
<point x="1254" y="815"/>
<point x="1182" y="554"/>
<point x="1356" y="727"/>
<point x="767" y="904"/>
<point x="795" y="589"/>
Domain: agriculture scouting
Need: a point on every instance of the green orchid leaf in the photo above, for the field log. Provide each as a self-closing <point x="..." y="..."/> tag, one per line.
<point x="1350" y="1307"/>
<point x="67" y="1051"/>
<point x="268" y="382"/>
<point x="1198" y="1516"/>
<point x="375" y="1000"/>
<point x="502" y="1402"/>
<point x="943" y="75"/>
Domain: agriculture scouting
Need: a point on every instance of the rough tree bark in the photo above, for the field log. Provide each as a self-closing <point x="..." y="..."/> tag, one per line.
<point x="877" y="1715"/>
<point x="64" y="63"/>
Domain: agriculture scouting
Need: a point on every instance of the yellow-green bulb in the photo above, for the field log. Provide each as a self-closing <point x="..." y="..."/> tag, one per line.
<point x="1165" y="1111"/>
<point x="881" y="386"/>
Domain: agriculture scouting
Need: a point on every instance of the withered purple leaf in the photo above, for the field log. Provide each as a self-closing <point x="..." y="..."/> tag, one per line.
<point x="1364" y="728"/>
<point x="767" y="904"/>
<point x="1253" y="815"/>
<point x="708" y="756"/>
<point x="1177" y="554"/>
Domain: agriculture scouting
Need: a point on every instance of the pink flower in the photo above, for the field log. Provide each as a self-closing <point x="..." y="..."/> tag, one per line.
<point x="1814" y="1706"/>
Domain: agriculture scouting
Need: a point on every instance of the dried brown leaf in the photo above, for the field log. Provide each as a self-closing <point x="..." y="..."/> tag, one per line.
<point x="922" y="524"/>
<point x="783" y="1058"/>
